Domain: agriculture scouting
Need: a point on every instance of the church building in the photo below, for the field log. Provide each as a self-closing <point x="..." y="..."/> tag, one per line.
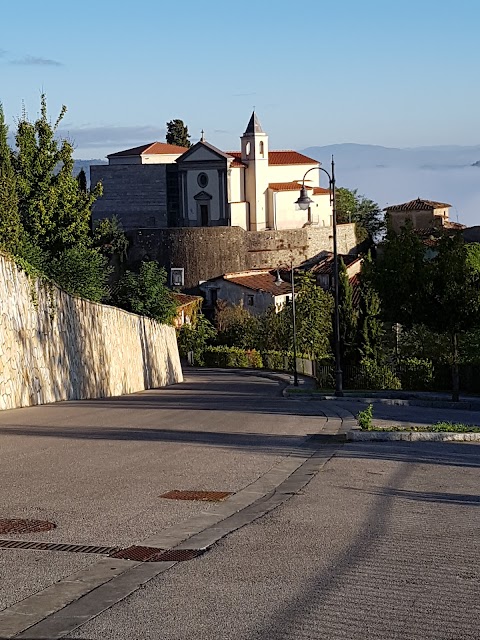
<point x="159" y="185"/>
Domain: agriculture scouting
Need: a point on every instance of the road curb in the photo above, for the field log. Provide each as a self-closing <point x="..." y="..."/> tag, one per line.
<point x="356" y="435"/>
<point x="401" y="402"/>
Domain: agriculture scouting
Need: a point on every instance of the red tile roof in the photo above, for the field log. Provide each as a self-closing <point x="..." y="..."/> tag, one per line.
<point x="281" y="157"/>
<point x="453" y="225"/>
<point x="152" y="148"/>
<point x="356" y="290"/>
<point x="182" y="299"/>
<point x="418" y="205"/>
<point x="259" y="281"/>
<point x="318" y="191"/>
<point x="285" y="186"/>
<point x="326" y="264"/>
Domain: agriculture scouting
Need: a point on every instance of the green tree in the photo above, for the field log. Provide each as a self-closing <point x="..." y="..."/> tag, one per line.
<point x="438" y="287"/>
<point x="236" y="326"/>
<point x="365" y="213"/>
<point x="348" y="317"/>
<point x="452" y="294"/>
<point x="146" y="293"/>
<point x="110" y="239"/>
<point x="81" y="271"/>
<point x="55" y="212"/>
<point x="370" y="324"/>
<point x="177" y="133"/>
<point x="195" y="337"/>
<point x="10" y="227"/>
<point x="313" y="314"/>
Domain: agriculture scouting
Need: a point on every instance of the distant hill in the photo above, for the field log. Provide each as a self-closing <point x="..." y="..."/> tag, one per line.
<point x="391" y="176"/>
<point x="351" y="156"/>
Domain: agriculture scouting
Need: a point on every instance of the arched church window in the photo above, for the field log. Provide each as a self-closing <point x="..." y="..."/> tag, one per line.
<point x="247" y="148"/>
<point x="261" y="148"/>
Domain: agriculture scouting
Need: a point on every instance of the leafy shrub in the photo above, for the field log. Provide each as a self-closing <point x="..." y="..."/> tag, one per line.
<point x="223" y="356"/>
<point x="81" y="271"/>
<point x="277" y="360"/>
<point x="146" y="293"/>
<point x="416" y="374"/>
<point x="365" y="418"/>
<point x="372" y="375"/>
<point x="194" y="338"/>
<point x="254" y="359"/>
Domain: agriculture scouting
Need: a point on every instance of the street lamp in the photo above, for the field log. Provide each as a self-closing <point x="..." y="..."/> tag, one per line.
<point x="304" y="202"/>
<point x="278" y="282"/>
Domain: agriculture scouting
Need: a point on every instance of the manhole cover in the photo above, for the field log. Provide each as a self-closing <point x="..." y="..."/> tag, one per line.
<point x="15" y="525"/>
<point x="154" y="554"/>
<point x="206" y="496"/>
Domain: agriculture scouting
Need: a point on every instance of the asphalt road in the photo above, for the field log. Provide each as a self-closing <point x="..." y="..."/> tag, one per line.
<point x="383" y="543"/>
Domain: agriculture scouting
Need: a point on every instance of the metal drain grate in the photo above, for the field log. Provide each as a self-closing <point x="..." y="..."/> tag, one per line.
<point x="206" y="496"/>
<point x="16" y="525"/>
<point x="153" y="554"/>
<point x="52" y="546"/>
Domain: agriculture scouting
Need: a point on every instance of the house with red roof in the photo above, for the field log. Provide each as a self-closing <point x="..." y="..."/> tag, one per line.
<point x="256" y="290"/>
<point x="158" y="185"/>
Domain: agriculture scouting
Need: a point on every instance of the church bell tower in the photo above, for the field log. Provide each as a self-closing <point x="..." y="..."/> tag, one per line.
<point x="254" y="145"/>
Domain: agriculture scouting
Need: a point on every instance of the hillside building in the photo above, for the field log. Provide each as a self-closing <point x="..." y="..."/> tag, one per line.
<point x="423" y="214"/>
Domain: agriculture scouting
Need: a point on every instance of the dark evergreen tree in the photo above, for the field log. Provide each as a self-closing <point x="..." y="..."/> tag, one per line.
<point x="348" y="316"/>
<point x="82" y="180"/>
<point x="370" y="325"/>
<point x="177" y="133"/>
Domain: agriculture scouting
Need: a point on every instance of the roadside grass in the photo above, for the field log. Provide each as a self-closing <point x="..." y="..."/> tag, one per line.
<point x="448" y="427"/>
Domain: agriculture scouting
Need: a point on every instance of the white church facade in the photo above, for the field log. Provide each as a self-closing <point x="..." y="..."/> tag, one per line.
<point x="254" y="188"/>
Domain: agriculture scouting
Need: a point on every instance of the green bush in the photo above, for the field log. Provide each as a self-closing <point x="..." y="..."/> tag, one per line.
<point x="374" y="376"/>
<point x="365" y="418"/>
<point x="416" y="374"/>
<point x="223" y="356"/>
<point x="277" y="360"/>
<point x="254" y="359"/>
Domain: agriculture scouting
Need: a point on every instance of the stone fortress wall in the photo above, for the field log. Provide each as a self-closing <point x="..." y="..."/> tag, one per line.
<point x="54" y="346"/>
<point x="208" y="252"/>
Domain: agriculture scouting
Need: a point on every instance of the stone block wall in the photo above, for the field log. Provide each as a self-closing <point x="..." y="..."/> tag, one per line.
<point x="136" y="194"/>
<point x="208" y="252"/>
<point x="54" y="346"/>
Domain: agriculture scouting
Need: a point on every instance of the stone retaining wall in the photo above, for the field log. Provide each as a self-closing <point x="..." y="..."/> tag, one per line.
<point x="54" y="346"/>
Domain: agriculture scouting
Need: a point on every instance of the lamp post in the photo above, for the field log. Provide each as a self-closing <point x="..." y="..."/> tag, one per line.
<point x="304" y="202"/>
<point x="278" y="282"/>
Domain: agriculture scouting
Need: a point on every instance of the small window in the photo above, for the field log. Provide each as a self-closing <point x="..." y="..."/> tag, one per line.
<point x="247" y="148"/>
<point x="250" y="301"/>
<point x="213" y="297"/>
<point x="261" y="148"/>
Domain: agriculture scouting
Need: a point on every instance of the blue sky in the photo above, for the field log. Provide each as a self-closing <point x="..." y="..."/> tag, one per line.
<point x="318" y="72"/>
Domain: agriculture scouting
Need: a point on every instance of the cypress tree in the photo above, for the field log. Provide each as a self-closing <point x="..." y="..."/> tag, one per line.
<point x="177" y="133"/>
<point x="348" y="317"/>
<point x="370" y="326"/>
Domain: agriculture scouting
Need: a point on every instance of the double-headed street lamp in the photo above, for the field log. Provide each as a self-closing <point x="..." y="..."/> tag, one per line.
<point x="304" y="202"/>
